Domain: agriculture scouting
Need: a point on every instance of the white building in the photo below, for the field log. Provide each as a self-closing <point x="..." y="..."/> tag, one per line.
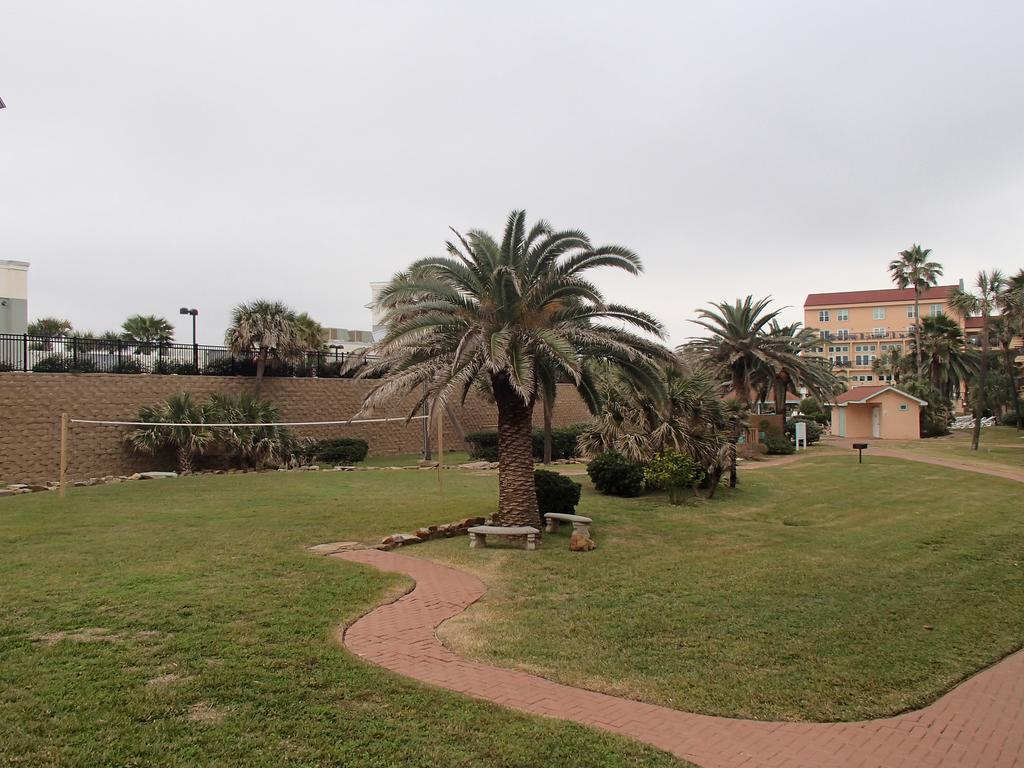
<point x="13" y="296"/>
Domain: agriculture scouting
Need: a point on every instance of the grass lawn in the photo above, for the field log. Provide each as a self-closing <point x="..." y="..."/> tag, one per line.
<point x="1000" y="446"/>
<point x="820" y="590"/>
<point x="197" y="631"/>
<point x="180" y="622"/>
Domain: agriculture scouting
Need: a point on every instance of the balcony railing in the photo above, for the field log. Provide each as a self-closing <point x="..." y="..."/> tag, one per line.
<point x="869" y="336"/>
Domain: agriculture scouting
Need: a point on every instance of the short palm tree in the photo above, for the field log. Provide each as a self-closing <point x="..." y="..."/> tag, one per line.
<point x="255" y="446"/>
<point x="500" y="315"/>
<point x="890" y="363"/>
<point x="790" y="366"/>
<point x="989" y="286"/>
<point x="913" y="270"/>
<point x="187" y="442"/>
<point x="266" y="329"/>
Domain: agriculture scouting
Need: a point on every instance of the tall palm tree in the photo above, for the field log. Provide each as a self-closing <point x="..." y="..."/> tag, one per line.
<point x="147" y="330"/>
<point x="890" y="363"/>
<point x="187" y="442"/>
<point x="913" y="270"/>
<point x="739" y="342"/>
<point x="790" y="366"/>
<point x="1007" y="326"/>
<point x="311" y="333"/>
<point x="498" y="315"/>
<point x="948" y="362"/>
<point x="989" y="285"/>
<point x="48" y="328"/>
<point x="266" y="329"/>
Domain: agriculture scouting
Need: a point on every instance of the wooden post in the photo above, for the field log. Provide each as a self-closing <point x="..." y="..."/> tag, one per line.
<point x="63" y="453"/>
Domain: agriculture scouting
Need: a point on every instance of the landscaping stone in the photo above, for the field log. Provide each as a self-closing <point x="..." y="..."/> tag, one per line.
<point x="157" y="475"/>
<point x="479" y="465"/>
<point x="581" y="543"/>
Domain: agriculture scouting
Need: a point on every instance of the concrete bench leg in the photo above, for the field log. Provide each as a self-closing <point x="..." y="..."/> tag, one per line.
<point x="531" y="541"/>
<point x="582" y="528"/>
<point x="477" y="541"/>
<point x="551" y="526"/>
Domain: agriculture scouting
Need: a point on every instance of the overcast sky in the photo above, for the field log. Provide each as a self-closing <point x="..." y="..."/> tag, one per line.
<point x="159" y="154"/>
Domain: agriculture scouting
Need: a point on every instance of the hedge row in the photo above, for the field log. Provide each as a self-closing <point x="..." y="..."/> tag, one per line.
<point x="483" y="446"/>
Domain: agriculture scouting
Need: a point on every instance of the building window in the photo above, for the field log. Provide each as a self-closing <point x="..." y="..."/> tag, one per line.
<point x="878" y="313"/>
<point x="910" y="312"/>
<point x="878" y="333"/>
<point x="842" y="314"/>
<point x="935" y="310"/>
<point x="843" y="333"/>
<point x="904" y="407"/>
<point x="823" y="316"/>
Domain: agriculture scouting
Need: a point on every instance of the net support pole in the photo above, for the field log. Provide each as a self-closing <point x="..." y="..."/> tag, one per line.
<point x="440" y="453"/>
<point x="63" y="454"/>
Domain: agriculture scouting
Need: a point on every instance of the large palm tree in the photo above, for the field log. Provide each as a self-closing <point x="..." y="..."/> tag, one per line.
<point x="913" y="270"/>
<point x="948" y="362"/>
<point x="890" y="363"/>
<point x="187" y="442"/>
<point x="499" y="315"/>
<point x="267" y="329"/>
<point x="789" y="366"/>
<point x="311" y="333"/>
<point x="989" y="286"/>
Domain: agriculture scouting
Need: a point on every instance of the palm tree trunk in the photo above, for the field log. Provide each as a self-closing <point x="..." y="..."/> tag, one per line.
<point x="184" y="460"/>
<point x="979" y="399"/>
<point x="1014" y="394"/>
<point x="733" y="475"/>
<point x="547" y="428"/>
<point x="780" y="396"/>
<point x="261" y="366"/>
<point x="917" y="331"/>
<point x="517" y="494"/>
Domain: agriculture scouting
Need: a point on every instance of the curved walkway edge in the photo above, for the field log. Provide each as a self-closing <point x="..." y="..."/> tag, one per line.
<point x="979" y="723"/>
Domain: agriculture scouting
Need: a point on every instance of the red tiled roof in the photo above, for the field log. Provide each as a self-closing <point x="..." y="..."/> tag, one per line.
<point x="973" y="322"/>
<point x="869" y="297"/>
<point x="860" y="394"/>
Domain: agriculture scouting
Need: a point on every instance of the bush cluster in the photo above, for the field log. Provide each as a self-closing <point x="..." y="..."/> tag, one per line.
<point x="556" y="493"/>
<point x="615" y="475"/>
<point x="813" y="430"/>
<point x="674" y="472"/>
<point x="483" y="445"/>
<point x="337" y="450"/>
<point x="776" y="441"/>
<point x="64" y="364"/>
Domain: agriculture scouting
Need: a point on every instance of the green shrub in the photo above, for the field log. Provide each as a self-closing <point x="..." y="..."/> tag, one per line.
<point x="776" y="441"/>
<point x="615" y="475"/>
<point x="130" y="365"/>
<point x="221" y="366"/>
<point x="63" y="364"/>
<point x="339" y="450"/>
<point x="6" y="367"/>
<point x="556" y="493"/>
<point x="813" y="430"/>
<point x="936" y="415"/>
<point x="483" y="445"/>
<point x="674" y="472"/>
<point x="174" y="367"/>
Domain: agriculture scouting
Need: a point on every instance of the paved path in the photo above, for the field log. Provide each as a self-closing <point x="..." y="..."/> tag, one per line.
<point x="879" y="448"/>
<point x="979" y="724"/>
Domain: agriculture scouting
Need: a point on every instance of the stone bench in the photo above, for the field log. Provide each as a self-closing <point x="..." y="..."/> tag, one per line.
<point x="478" y="534"/>
<point x="579" y="522"/>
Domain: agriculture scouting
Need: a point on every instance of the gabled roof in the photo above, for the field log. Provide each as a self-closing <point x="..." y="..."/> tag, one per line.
<point x="876" y="297"/>
<point x="863" y="394"/>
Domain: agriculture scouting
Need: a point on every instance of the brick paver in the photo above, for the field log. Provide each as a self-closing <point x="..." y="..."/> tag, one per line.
<point x="978" y="724"/>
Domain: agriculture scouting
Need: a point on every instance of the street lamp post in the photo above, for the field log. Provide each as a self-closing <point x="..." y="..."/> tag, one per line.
<point x="195" y="347"/>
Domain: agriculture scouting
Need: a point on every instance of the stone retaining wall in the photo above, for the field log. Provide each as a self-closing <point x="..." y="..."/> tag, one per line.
<point x="31" y="405"/>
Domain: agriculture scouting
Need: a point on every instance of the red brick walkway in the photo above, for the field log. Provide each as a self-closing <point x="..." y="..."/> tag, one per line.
<point x="978" y="724"/>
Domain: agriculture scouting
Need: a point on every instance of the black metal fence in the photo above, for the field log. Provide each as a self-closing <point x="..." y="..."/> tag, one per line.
<point x="71" y="354"/>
